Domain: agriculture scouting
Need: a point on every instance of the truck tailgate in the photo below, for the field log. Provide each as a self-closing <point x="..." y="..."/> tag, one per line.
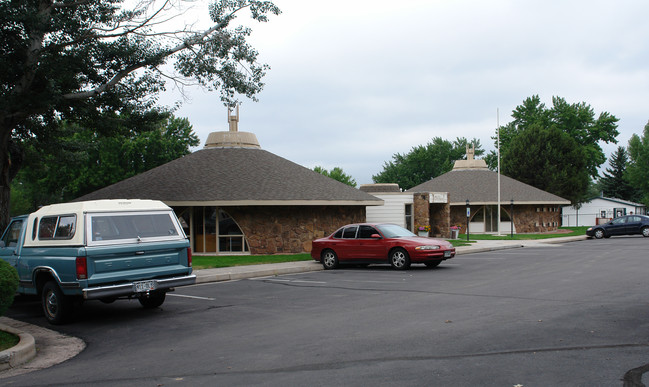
<point x="120" y="263"/>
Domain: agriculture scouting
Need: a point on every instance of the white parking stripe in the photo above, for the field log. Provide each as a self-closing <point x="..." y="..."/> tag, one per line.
<point x="194" y="297"/>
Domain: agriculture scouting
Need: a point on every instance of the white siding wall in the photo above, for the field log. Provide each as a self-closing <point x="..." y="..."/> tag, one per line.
<point x="392" y="211"/>
<point x="589" y="212"/>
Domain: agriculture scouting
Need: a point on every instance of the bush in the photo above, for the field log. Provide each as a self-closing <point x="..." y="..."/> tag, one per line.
<point x="8" y="285"/>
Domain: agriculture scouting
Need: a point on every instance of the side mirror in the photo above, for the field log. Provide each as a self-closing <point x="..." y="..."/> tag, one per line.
<point x="375" y="236"/>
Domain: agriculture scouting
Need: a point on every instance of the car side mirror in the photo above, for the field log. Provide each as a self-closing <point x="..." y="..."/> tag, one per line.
<point x="375" y="236"/>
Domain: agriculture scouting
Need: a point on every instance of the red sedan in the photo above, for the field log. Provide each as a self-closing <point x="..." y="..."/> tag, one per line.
<point x="379" y="243"/>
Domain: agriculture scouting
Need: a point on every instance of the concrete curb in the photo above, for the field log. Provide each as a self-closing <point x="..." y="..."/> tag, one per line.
<point x="19" y="354"/>
<point x="267" y="270"/>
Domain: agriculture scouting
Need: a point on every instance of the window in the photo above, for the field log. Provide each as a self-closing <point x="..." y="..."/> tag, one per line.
<point x="57" y="227"/>
<point x="10" y="238"/>
<point x="350" y="232"/>
<point x="339" y="233"/>
<point x="132" y="226"/>
<point x="366" y="232"/>
<point x="409" y="216"/>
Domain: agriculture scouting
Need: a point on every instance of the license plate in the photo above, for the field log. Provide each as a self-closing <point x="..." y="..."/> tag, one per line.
<point x="447" y="254"/>
<point x="145" y="286"/>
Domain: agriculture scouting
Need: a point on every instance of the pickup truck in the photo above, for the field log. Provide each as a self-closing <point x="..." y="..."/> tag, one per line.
<point x="98" y="250"/>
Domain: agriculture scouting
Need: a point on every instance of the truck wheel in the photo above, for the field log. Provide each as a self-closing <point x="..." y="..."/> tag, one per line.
<point x="56" y="306"/>
<point x="153" y="300"/>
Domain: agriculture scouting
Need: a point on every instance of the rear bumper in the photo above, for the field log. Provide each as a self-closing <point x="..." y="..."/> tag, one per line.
<point x="128" y="289"/>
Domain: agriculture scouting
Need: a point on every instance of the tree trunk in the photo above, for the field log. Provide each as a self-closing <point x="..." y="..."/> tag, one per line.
<point x="11" y="159"/>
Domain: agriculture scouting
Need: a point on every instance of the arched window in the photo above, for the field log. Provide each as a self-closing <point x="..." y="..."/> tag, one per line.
<point x="215" y="231"/>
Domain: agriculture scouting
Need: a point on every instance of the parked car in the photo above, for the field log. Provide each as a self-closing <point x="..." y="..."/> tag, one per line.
<point x="624" y="225"/>
<point x="98" y="250"/>
<point x="379" y="243"/>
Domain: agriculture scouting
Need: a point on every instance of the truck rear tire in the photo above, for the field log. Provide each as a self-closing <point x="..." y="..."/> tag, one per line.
<point x="56" y="306"/>
<point x="153" y="300"/>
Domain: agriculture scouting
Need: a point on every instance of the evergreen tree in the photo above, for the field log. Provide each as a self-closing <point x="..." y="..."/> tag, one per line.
<point x="614" y="182"/>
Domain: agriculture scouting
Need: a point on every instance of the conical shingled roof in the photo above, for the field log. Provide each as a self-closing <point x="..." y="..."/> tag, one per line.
<point x="480" y="186"/>
<point x="234" y="176"/>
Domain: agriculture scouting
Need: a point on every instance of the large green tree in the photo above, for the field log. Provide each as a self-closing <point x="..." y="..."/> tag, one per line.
<point x="614" y="182"/>
<point x="338" y="174"/>
<point x="638" y="166"/>
<point x="425" y="162"/>
<point x="80" y="160"/>
<point x="73" y="61"/>
<point x="577" y="120"/>
<point x="549" y="159"/>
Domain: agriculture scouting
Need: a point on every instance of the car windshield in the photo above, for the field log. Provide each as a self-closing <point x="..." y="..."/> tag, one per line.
<point x="394" y="231"/>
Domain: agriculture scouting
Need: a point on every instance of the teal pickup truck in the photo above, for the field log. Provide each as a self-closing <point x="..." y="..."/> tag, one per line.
<point x="98" y="250"/>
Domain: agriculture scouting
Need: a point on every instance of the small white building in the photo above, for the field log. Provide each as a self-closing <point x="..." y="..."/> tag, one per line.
<point x="397" y="205"/>
<point x="599" y="210"/>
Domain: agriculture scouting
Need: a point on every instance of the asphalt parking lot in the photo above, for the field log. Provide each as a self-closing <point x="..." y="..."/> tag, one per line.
<point x="570" y="314"/>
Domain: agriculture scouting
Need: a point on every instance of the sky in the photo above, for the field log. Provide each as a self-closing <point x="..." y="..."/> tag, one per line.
<point x="354" y="82"/>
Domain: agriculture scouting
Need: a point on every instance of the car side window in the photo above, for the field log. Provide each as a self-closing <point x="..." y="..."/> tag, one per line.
<point x="634" y="219"/>
<point x="339" y="233"/>
<point x="10" y="238"/>
<point x="619" y="221"/>
<point x="366" y="232"/>
<point x="350" y="232"/>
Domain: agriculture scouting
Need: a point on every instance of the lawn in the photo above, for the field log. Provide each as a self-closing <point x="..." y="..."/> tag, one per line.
<point x="8" y="340"/>
<point x="206" y="262"/>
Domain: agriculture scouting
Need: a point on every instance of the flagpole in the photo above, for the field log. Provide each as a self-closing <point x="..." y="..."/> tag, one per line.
<point x="498" y="131"/>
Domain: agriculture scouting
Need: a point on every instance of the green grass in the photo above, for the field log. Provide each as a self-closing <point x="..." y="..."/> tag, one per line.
<point x="208" y="262"/>
<point x="8" y="340"/>
<point x="573" y="231"/>
<point x="205" y="262"/>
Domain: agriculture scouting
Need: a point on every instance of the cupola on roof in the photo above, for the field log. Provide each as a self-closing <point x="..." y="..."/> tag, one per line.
<point x="233" y="138"/>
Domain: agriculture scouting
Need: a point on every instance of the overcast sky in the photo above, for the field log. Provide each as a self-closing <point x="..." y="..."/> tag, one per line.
<point x="354" y="82"/>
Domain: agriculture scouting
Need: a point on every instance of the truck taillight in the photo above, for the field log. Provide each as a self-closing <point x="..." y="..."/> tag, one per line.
<point x="82" y="268"/>
<point x="189" y="257"/>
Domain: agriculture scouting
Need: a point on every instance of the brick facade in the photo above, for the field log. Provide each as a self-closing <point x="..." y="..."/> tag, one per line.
<point x="291" y="229"/>
<point x="527" y="218"/>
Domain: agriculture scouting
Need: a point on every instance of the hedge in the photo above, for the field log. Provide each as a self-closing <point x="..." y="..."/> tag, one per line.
<point x="8" y="285"/>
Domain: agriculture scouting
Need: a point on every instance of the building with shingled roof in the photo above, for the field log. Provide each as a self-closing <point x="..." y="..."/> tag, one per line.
<point x="233" y="197"/>
<point x="473" y="189"/>
<point x="468" y="196"/>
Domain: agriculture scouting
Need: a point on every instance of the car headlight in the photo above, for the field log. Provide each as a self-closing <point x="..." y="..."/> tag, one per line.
<point x="427" y="247"/>
<point x="589" y="229"/>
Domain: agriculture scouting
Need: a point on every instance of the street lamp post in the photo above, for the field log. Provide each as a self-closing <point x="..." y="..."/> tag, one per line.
<point x="511" y="215"/>
<point x="468" y="215"/>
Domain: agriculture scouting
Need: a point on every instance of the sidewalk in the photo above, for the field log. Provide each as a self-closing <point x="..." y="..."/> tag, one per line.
<point x="41" y="348"/>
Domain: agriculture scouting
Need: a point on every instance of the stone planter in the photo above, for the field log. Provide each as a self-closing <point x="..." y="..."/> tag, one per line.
<point x="423" y="233"/>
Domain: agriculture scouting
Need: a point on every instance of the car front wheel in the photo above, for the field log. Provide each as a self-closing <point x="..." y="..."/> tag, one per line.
<point x="599" y="233"/>
<point x="329" y="259"/>
<point x="399" y="259"/>
<point x="645" y="231"/>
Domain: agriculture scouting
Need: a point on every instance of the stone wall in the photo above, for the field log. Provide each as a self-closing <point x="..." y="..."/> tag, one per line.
<point x="527" y="218"/>
<point x="536" y="218"/>
<point x="420" y="210"/>
<point x="291" y="229"/>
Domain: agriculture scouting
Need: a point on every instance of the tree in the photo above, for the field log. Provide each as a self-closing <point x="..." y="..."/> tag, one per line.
<point x="72" y="61"/>
<point x="80" y="160"/>
<point x="425" y="162"/>
<point x="337" y="174"/>
<point x="548" y="159"/>
<point x="614" y="183"/>
<point x="576" y="120"/>
<point x="638" y="166"/>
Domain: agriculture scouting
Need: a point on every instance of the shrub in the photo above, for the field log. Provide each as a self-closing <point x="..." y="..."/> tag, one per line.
<point x="8" y="285"/>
